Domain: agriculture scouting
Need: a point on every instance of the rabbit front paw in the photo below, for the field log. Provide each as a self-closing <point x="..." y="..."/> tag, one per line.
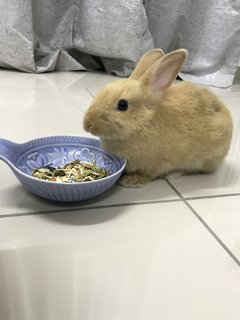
<point x="133" y="180"/>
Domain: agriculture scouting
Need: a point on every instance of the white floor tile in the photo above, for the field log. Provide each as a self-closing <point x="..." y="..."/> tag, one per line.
<point x="226" y="180"/>
<point x="222" y="216"/>
<point x="52" y="80"/>
<point x="30" y="113"/>
<point x="234" y="89"/>
<point x="55" y="80"/>
<point x="95" y="86"/>
<point x="101" y="259"/>
<point x="15" y="199"/>
<point x="123" y="263"/>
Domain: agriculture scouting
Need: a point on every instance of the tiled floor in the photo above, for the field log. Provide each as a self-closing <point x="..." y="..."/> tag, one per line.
<point x="168" y="251"/>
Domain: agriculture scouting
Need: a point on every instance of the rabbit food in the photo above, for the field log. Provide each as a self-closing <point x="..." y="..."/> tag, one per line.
<point x="74" y="171"/>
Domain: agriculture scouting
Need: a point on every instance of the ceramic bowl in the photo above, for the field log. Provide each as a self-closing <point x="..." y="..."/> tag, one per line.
<point x="25" y="157"/>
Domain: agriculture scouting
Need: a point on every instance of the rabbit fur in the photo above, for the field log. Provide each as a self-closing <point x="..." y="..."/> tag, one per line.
<point x="166" y="127"/>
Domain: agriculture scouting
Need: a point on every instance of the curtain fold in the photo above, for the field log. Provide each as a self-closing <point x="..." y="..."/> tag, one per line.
<point x="48" y="35"/>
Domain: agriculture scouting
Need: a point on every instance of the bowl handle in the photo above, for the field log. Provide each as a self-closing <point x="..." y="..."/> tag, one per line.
<point x="7" y="149"/>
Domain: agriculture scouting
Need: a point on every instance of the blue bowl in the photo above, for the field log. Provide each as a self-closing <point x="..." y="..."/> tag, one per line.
<point x="58" y="150"/>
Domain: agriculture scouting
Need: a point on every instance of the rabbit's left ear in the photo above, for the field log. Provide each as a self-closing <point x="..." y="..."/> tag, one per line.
<point x="164" y="71"/>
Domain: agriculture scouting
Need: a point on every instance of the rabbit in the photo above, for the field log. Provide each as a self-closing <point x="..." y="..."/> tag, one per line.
<point x="160" y="127"/>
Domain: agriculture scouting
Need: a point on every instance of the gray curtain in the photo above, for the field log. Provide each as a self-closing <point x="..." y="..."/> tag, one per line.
<point x="47" y="35"/>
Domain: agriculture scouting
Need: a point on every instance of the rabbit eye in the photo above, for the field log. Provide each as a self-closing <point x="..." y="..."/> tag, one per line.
<point x="122" y="105"/>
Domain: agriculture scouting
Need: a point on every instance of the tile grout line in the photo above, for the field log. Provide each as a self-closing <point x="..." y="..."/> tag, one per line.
<point x="126" y="204"/>
<point x="89" y="92"/>
<point x="222" y="244"/>
<point x="224" y="195"/>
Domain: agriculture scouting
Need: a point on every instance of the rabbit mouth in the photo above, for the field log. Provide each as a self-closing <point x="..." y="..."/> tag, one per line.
<point x="91" y="128"/>
<point x="88" y="126"/>
<point x="100" y="130"/>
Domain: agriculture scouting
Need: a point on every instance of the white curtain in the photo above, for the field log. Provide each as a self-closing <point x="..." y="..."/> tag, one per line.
<point x="47" y="35"/>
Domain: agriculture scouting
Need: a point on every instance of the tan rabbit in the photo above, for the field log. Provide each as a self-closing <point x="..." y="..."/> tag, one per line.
<point x="160" y="127"/>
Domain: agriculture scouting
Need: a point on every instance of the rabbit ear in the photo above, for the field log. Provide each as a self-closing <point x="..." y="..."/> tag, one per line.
<point x="161" y="75"/>
<point x="145" y="62"/>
